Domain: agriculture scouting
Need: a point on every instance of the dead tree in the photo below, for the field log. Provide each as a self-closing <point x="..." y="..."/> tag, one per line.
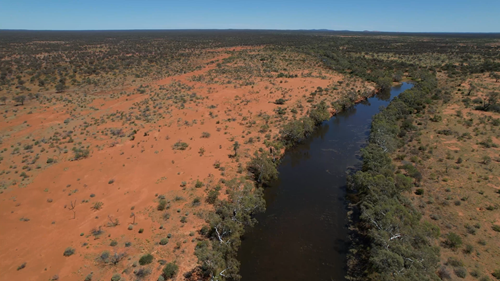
<point x="112" y="223"/>
<point x="72" y="208"/>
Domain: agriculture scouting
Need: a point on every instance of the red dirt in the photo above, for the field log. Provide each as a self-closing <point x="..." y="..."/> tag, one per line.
<point x="141" y="169"/>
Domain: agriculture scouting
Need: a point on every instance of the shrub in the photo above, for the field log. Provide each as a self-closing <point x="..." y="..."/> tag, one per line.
<point x="443" y="273"/>
<point x="453" y="240"/>
<point x="496" y="274"/>
<point x="97" y="231"/>
<point x="468" y="249"/>
<point x="166" y="216"/>
<point x="23" y="265"/>
<point x="212" y="196"/>
<point x="460" y="272"/>
<point x="170" y="270"/>
<point x="69" y="251"/>
<point x="104" y="257"/>
<point x="80" y="153"/>
<point x="419" y="191"/>
<point x="295" y="131"/>
<point x="116" y="277"/>
<point x="164" y="241"/>
<point x="204" y="230"/>
<point x="205" y="135"/>
<point x="97" y="205"/>
<point x="198" y="184"/>
<point x="263" y="168"/>
<point x="162" y="204"/>
<point x="486" y="160"/>
<point x="319" y="113"/>
<point x="196" y="201"/>
<point x="496" y="228"/>
<point x="475" y="273"/>
<point x="142" y="272"/>
<point x="454" y="262"/>
<point x="146" y="259"/>
<point x="89" y="277"/>
<point x="180" y="146"/>
<point x="280" y="101"/>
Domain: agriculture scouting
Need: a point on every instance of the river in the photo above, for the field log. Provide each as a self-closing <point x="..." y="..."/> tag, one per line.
<point x="303" y="233"/>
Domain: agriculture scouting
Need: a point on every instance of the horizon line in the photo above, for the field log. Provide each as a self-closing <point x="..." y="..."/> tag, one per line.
<point x="258" y="29"/>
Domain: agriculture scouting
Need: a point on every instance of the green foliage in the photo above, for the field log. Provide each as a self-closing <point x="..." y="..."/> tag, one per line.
<point x="395" y="238"/>
<point x="227" y="225"/>
<point x="496" y="274"/>
<point x="198" y="184"/>
<point x="236" y="146"/>
<point x="384" y="83"/>
<point x="180" y="146"/>
<point x="453" y="240"/>
<point x="161" y="205"/>
<point x="280" y="101"/>
<point x="20" y="99"/>
<point x="295" y="131"/>
<point x="412" y="171"/>
<point x="319" y="113"/>
<point x="69" y="251"/>
<point x="403" y="182"/>
<point x="460" y="272"/>
<point x="170" y="270"/>
<point x="146" y="259"/>
<point x="376" y="160"/>
<point x="21" y="266"/>
<point x="80" y="153"/>
<point x="212" y="196"/>
<point x="491" y="102"/>
<point x="263" y="168"/>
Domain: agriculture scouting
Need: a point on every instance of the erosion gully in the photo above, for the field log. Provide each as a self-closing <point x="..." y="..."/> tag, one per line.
<point x="303" y="233"/>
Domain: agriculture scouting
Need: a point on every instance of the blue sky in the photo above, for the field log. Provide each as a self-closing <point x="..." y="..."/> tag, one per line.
<point x="375" y="15"/>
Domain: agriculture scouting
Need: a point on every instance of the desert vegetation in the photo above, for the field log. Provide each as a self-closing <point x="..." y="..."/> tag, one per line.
<point x="144" y="154"/>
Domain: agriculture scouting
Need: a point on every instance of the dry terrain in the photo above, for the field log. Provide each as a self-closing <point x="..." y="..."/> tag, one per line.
<point x="457" y="152"/>
<point x="92" y="179"/>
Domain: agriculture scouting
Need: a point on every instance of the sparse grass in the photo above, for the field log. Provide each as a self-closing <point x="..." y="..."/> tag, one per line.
<point x="97" y="206"/>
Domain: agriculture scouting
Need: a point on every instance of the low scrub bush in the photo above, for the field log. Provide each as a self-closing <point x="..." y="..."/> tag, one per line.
<point x="146" y="259"/>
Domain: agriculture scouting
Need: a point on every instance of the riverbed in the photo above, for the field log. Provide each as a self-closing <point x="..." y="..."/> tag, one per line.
<point x="303" y="233"/>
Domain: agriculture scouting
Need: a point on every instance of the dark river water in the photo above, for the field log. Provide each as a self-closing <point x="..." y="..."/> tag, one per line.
<point x="303" y="233"/>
